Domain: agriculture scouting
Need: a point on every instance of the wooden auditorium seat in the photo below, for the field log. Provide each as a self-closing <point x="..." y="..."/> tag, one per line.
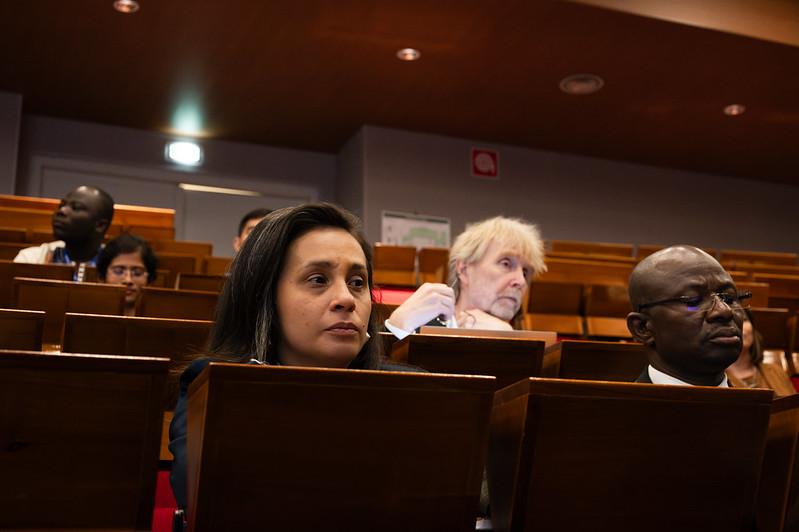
<point x="766" y="257"/>
<point x="80" y="438"/>
<point x="433" y="265"/>
<point x="9" y="270"/>
<point x="21" y="329"/>
<point x="601" y="456"/>
<point x="783" y="290"/>
<point x="394" y="265"/>
<point x="586" y="271"/>
<point x="507" y="359"/>
<point x="777" y="326"/>
<point x="335" y="449"/>
<point x="216" y="265"/>
<point x="9" y="250"/>
<point x="200" y="281"/>
<point x="179" y="340"/>
<point x="56" y="298"/>
<point x="180" y="304"/>
<point x="555" y="306"/>
<point x="591" y="256"/>
<point x="199" y="249"/>
<point x="593" y="360"/>
<point x="606" y="309"/>
<point x="592" y="248"/>
<point x="13" y="234"/>
<point x="779" y="465"/>
<point x="176" y="263"/>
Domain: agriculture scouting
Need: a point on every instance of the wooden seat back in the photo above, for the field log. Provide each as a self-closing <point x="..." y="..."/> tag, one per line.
<point x="179" y="340"/>
<point x="555" y="306"/>
<point x="216" y="265"/>
<point x="21" y="329"/>
<point x="9" y="250"/>
<point x="586" y="271"/>
<point x="200" y="281"/>
<point x="81" y="437"/>
<point x="9" y="270"/>
<point x="394" y="265"/>
<point x="199" y="249"/>
<point x="783" y="290"/>
<point x="594" y="360"/>
<point x="56" y="298"/>
<point x="606" y="309"/>
<point x="777" y="473"/>
<point x="601" y="456"/>
<point x="13" y="234"/>
<point x="765" y="257"/>
<point x="180" y="304"/>
<point x="507" y="359"/>
<point x="309" y="428"/>
<point x="433" y="265"/>
<point x="176" y="263"/>
<point x="592" y="248"/>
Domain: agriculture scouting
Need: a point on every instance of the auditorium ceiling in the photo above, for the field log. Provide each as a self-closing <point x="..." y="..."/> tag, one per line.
<point x="308" y="74"/>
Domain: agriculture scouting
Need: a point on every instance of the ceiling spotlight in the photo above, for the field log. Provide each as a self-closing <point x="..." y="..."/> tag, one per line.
<point x="184" y="152"/>
<point x="409" y="54"/>
<point x="126" y="6"/>
<point x="581" y="84"/>
<point x="735" y="109"/>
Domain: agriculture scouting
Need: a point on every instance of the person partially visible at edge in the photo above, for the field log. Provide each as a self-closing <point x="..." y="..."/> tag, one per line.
<point x="300" y="294"/>
<point x="129" y="261"/>
<point x="79" y="225"/>
<point x="246" y="225"/>
<point x="491" y="265"/>
<point x="750" y="371"/>
<point x="688" y="314"/>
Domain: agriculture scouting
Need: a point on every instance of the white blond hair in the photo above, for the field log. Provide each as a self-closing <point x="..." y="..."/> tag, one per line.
<point x="514" y="234"/>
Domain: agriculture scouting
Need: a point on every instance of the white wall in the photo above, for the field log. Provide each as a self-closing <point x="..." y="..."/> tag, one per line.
<point x="572" y="197"/>
<point x="10" y="118"/>
<point x="56" y="155"/>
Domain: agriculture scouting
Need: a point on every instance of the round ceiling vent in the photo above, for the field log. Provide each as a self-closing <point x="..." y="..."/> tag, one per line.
<point x="581" y="84"/>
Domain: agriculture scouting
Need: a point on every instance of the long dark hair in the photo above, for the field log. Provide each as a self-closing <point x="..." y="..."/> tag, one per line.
<point x="247" y="324"/>
<point x="756" y="350"/>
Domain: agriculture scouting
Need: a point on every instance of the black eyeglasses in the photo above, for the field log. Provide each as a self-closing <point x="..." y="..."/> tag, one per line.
<point x="703" y="303"/>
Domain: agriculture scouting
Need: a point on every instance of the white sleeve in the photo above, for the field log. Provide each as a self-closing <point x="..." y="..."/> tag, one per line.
<point x="396" y="331"/>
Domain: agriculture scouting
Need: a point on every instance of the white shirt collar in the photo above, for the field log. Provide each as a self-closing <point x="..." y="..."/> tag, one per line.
<point x="658" y="377"/>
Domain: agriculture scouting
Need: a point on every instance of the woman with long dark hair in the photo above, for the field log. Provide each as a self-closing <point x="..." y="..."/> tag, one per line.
<point x="299" y="293"/>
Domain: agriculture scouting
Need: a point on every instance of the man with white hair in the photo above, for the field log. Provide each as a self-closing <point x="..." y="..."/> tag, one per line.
<point x="491" y="265"/>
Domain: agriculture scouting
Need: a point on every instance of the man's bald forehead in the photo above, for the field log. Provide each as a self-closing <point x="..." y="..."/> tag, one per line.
<point x="648" y="273"/>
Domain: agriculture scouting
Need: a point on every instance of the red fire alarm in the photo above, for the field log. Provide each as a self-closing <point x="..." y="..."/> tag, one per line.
<point x="485" y="163"/>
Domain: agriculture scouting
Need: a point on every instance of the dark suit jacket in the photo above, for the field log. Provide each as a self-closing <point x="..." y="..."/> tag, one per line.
<point x="644" y="376"/>
<point x="177" y="429"/>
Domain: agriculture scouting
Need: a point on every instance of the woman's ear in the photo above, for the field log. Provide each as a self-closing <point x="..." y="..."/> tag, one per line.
<point x="638" y="325"/>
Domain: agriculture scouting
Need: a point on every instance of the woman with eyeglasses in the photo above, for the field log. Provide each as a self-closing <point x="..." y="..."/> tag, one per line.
<point x="749" y="371"/>
<point x="129" y="261"/>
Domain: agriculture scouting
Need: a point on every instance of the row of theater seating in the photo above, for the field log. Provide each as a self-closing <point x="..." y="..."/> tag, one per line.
<point x="569" y="454"/>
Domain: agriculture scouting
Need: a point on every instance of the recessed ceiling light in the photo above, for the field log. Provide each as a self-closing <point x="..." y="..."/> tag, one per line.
<point x="581" y="84"/>
<point x="126" y="6"/>
<point x="734" y="109"/>
<point x="409" y="54"/>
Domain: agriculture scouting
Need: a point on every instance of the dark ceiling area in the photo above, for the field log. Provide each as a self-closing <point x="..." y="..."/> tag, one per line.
<point x="308" y="74"/>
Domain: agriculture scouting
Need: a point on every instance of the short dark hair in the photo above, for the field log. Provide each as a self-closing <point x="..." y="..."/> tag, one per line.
<point x="127" y="243"/>
<point x="252" y="215"/>
<point x="247" y="324"/>
<point x="107" y="209"/>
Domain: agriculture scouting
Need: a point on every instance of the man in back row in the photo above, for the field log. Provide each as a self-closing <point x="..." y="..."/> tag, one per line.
<point x="246" y="225"/>
<point x="689" y="316"/>
<point x="491" y="265"/>
<point x="79" y="223"/>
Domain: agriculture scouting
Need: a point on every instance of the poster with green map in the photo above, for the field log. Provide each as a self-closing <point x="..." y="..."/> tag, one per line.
<point x="420" y="230"/>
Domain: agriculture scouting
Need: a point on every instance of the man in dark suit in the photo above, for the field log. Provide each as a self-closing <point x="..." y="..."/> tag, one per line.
<point x="688" y="314"/>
